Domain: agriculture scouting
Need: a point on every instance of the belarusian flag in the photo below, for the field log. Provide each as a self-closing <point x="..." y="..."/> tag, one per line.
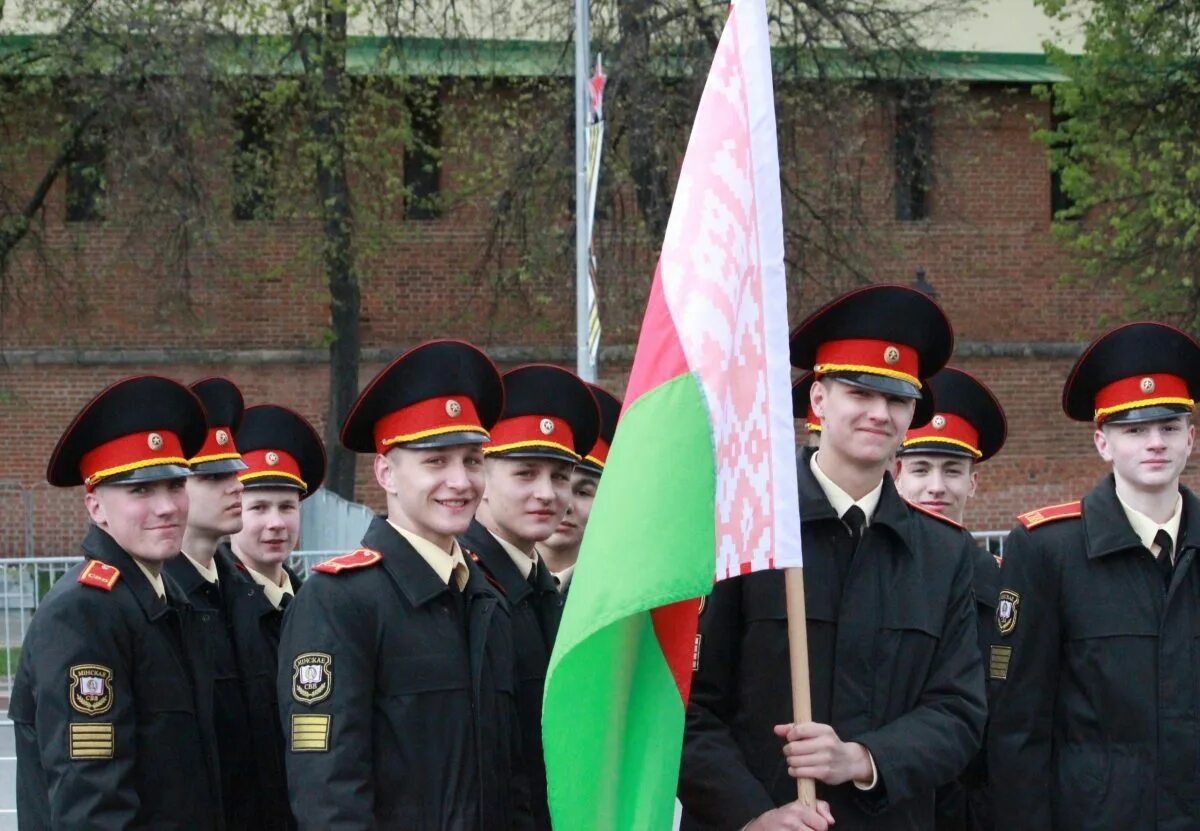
<point x="700" y="482"/>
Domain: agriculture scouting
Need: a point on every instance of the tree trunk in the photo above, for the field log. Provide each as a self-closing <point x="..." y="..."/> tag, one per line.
<point x="333" y="195"/>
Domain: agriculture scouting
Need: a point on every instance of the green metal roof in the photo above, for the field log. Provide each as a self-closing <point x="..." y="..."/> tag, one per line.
<point x="270" y="55"/>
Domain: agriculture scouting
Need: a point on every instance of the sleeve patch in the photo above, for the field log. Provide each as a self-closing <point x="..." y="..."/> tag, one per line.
<point x="90" y="740"/>
<point x="1067" y="510"/>
<point x="310" y="732"/>
<point x="362" y="558"/>
<point x="998" y="664"/>
<point x="91" y="689"/>
<point x="1007" y="609"/>
<point x="99" y="575"/>
<point x="312" y="677"/>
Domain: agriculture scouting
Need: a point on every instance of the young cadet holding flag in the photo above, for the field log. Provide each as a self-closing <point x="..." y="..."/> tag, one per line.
<point x="1094" y="664"/>
<point x="396" y="671"/>
<point x="550" y="420"/>
<point x="111" y="703"/>
<point x="895" y="672"/>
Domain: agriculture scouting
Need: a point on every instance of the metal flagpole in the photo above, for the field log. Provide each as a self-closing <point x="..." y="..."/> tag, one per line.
<point x="584" y="365"/>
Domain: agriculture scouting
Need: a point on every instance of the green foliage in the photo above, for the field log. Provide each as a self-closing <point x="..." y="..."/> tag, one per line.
<point x="1127" y="150"/>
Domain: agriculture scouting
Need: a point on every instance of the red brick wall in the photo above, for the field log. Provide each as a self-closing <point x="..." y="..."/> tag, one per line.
<point x="986" y="249"/>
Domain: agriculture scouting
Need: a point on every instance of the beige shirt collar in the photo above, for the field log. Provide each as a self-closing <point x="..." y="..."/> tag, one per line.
<point x="444" y="565"/>
<point x="521" y="560"/>
<point x="564" y="577"/>
<point x="209" y="573"/>
<point x="838" y="498"/>
<point x="156" y="581"/>
<point x="1146" y="528"/>
<point x="273" y="592"/>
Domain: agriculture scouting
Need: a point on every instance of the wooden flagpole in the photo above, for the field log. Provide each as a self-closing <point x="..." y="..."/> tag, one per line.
<point x="797" y="628"/>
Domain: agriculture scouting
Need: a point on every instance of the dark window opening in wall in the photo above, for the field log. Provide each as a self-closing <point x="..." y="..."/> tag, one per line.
<point x="422" y="156"/>
<point x="254" y="161"/>
<point x="1059" y="200"/>
<point x="912" y="152"/>
<point x="87" y="183"/>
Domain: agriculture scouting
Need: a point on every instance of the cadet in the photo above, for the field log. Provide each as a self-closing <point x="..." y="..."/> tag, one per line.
<point x="113" y="723"/>
<point x="561" y="549"/>
<point x="896" y="676"/>
<point x="285" y="462"/>
<point x="1094" y="659"/>
<point x="396" y="670"/>
<point x="936" y="469"/>
<point x="550" y="421"/>
<point x="215" y="510"/>
<point x="802" y="408"/>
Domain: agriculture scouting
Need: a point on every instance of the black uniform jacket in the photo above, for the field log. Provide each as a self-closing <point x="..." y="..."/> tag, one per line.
<point x="231" y="714"/>
<point x="536" y="611"/>
<point x="964" y="804"/>
<point x="145" y="758"/>
<point x="255" y="624"/>
<point x="1097" y="724"/>
<point x="412" y="723"/>
<point x="894" y="664"/>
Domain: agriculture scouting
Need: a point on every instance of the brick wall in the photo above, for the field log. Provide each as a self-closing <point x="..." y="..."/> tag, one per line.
<point x="986" y="248"/>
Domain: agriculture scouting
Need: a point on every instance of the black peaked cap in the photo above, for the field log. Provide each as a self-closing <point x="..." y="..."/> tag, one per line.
<point x="132" y="405"/>
<point x="439" y="367"/>
<point x="610" y="412"/>
<point x="548" y="390"/>
<point x="271" y="427"/>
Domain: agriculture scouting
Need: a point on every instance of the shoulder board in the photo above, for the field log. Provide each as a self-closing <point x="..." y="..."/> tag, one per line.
<point x="99" y="575"/>
<point x="362" y="558"/>
<point x="935" y="515"/>
<point x="1067" y="510"/>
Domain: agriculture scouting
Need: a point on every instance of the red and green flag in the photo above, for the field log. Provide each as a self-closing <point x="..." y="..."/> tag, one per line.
<point x="700" y="482"/>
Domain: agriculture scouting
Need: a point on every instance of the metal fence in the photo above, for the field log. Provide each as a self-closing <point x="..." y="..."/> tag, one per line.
<point x="24" y="581"/>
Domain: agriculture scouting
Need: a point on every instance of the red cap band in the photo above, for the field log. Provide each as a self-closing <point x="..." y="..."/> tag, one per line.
<point x="529" y="432"/>
<point x="945" y="428"/>
<point x="261" y="463"/>
<point x="431" y="417"/>
<point x="812" y="422"/>
<point x="876" y="357"/>
<point x="132" y="452"/>
<point x="598" y="455"/>
<point x="1153" y="390"/>
<point x="218" y="445"/>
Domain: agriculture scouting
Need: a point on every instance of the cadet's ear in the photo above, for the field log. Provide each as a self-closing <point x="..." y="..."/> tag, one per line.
<point x="95" y="509"/>
<point x="816" y="396"/>
<point x="384" y="475"/>
<point x="1100" y="438"/>
<point x="897" y="466"/>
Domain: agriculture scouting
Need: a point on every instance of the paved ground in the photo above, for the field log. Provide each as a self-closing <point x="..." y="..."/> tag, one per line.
<point x="8" y="776"/>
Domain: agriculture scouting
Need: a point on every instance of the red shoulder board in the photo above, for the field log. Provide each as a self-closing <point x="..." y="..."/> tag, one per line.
<point x="935" y="515"/>
<point x="99" y="575"/>
<point x="1068" y="510"/>
<point x="361" y="558"/>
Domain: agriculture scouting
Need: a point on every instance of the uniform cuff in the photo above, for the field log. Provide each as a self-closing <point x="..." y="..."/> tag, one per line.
<point x="874" y="775"/>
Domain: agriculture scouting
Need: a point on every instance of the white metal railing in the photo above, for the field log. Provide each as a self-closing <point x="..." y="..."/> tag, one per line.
<point x="24" y="581"/>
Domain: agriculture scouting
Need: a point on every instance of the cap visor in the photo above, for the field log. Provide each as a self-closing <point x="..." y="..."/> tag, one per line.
<point x="153" y="473"/>
<point x="936" y="449"/>
<point x="877" y="383"/>
<point x="274" y="483"/>
<point x="443" y="440"/>
<point x="1140" y="414"/>
<point x="535" y="453"/>
<point x="219" y="466"/>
